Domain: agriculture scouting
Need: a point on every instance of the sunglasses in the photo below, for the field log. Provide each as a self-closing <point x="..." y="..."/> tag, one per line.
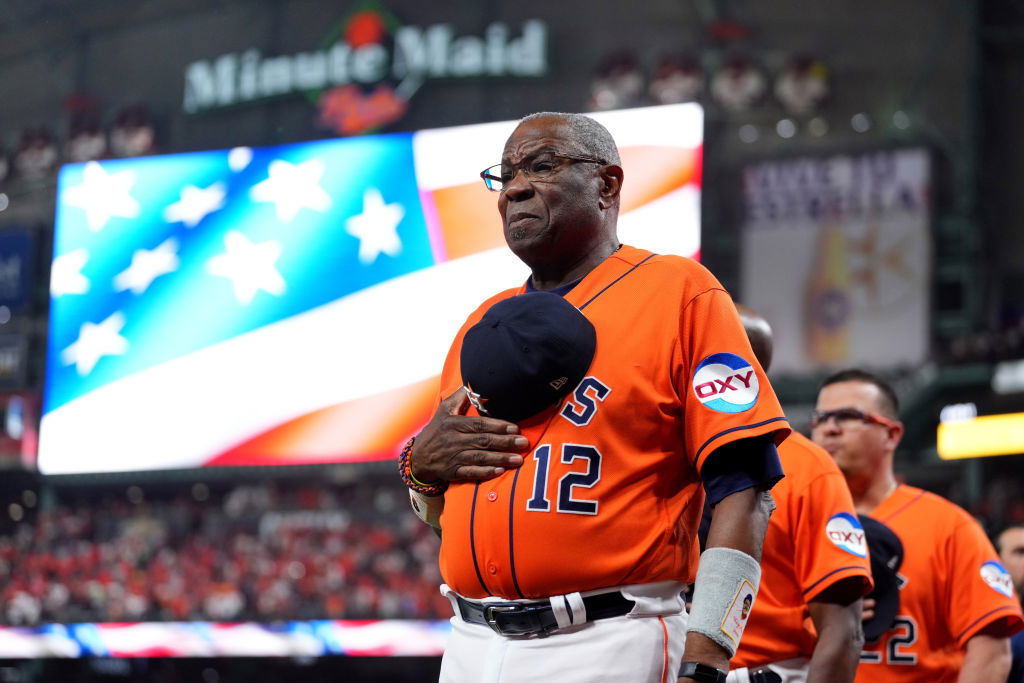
<point x="847" y="415"/>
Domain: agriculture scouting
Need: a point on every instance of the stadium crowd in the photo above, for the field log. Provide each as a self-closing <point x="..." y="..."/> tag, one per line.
<point x="264" y="552"/>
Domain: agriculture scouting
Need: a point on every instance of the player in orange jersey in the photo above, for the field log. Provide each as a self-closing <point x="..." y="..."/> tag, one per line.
<point x="1010" y="544"/>
<point x="567" y="538"/>
<point x="956" y="605"/>
<point x="815" y="569"/>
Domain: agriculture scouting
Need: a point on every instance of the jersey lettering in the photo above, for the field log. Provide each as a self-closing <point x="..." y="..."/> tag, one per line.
<point x="845" y="531"/>
<point x="540" y="500"/>
<point x="720" y="386"/>
<point x="582" y="406"/>
<point x="906" y="635"/>
<point x="726" y="383"/>
<point x="567" y="503"/>
<point x="903" y="634"/>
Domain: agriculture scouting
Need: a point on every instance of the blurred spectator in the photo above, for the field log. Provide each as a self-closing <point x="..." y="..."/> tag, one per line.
<point x="678" y="78"/>
<point x="36" y="157"/>
<point x="803" y="85"/>
<point x="618" y="84"/>
<point x="1010" y="544"/>
<point x="133" y="134"/>
<point x="738" y="85"/>
<point x="86" y="139"/>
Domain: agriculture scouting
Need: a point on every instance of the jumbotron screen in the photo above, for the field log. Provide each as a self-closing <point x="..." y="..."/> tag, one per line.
<point x="294" y="304"/>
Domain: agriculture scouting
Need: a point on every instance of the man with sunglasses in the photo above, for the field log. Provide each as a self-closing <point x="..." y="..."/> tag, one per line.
<point x="956" y="611"/>
<point x="567" y="535"/>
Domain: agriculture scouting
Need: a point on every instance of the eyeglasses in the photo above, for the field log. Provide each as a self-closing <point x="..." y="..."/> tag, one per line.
<point x="537" y="167"/>
<point x="846" y="415"/>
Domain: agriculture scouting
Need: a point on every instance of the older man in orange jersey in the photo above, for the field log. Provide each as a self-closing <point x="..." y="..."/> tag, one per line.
<point x="568" y="535"/>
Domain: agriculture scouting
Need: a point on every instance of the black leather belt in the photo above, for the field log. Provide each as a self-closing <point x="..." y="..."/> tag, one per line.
<point x="536" y="619"/>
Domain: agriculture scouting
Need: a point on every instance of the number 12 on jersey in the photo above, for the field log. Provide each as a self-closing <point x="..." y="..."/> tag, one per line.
<point x="564" y="489"/>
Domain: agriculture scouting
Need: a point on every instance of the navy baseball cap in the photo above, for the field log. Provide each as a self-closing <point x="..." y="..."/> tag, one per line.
<point x="886" y="551"/>
<point x="526" y="354"/>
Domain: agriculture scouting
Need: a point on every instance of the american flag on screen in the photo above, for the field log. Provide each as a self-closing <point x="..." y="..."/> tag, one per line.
<point x="294" y="304"/>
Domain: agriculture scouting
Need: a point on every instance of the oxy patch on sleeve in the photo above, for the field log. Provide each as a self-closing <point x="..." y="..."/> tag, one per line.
<point x="726" y="383"/>
<point x="997" y="578"/>
<point x="846" y="532"/>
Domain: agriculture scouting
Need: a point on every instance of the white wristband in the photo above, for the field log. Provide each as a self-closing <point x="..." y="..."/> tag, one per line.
<point x="723" y="595"/>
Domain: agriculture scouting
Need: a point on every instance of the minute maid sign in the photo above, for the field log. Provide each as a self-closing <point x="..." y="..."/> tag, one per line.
<point x="366" y="71"/>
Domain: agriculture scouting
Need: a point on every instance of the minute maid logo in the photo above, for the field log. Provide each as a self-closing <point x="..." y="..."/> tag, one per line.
<point x="845" y="531"/>
<point x="726" y="383"/>
<point x="996" y="576"/>
<point x="364" y="73"/>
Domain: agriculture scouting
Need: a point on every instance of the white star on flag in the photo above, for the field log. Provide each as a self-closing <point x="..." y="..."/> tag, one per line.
<point x="376" y="227"/>
<point x="195" y="204"/>
<point x="292" y="187"/>
<point x="66" y="274"/>
<point x="146" y="266"/>
<point x="94" y="342"/>
<point x="103" y="195"/>
<point x="249" y="266"/>
<point x="239" y="158"/>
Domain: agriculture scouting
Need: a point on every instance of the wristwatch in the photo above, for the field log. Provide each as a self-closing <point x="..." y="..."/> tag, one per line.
<point x="701" y="672"/>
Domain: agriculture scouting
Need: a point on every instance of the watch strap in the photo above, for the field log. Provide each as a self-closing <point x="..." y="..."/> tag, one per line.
<point x="701" y="672"/>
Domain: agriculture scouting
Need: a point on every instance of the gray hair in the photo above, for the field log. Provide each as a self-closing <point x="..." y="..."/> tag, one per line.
<point x="586" y="135"/>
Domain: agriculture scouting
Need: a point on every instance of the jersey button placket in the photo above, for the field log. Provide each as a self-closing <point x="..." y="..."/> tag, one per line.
<point x="492" y="496"/>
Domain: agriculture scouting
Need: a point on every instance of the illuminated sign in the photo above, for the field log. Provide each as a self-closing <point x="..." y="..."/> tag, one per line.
<point x="981" y="436"/>
<point x="294" y="304"/>
<point x="369" y="69"/>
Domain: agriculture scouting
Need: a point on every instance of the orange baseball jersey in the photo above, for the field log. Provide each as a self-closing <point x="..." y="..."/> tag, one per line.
<point x="609" y="493"/>
<point x="951" y="587"/>
<point x="814" y="540"/>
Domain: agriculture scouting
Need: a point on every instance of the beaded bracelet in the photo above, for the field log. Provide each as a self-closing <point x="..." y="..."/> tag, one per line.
<point x="405" y="470"/>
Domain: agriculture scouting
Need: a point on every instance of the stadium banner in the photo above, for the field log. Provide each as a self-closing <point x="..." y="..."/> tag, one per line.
<point x="836" y="255"/>
<point x="294" y="304"/>
<point x="365" y="638"/>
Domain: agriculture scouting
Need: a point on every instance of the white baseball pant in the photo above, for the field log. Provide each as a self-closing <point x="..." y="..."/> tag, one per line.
<point x="644" y="646"/>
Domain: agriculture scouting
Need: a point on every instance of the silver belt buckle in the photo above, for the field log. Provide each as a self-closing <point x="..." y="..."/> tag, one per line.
<point x="489" y="612"/>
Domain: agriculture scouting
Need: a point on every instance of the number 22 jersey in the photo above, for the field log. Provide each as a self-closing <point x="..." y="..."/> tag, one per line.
<point x="951" y="587"/>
